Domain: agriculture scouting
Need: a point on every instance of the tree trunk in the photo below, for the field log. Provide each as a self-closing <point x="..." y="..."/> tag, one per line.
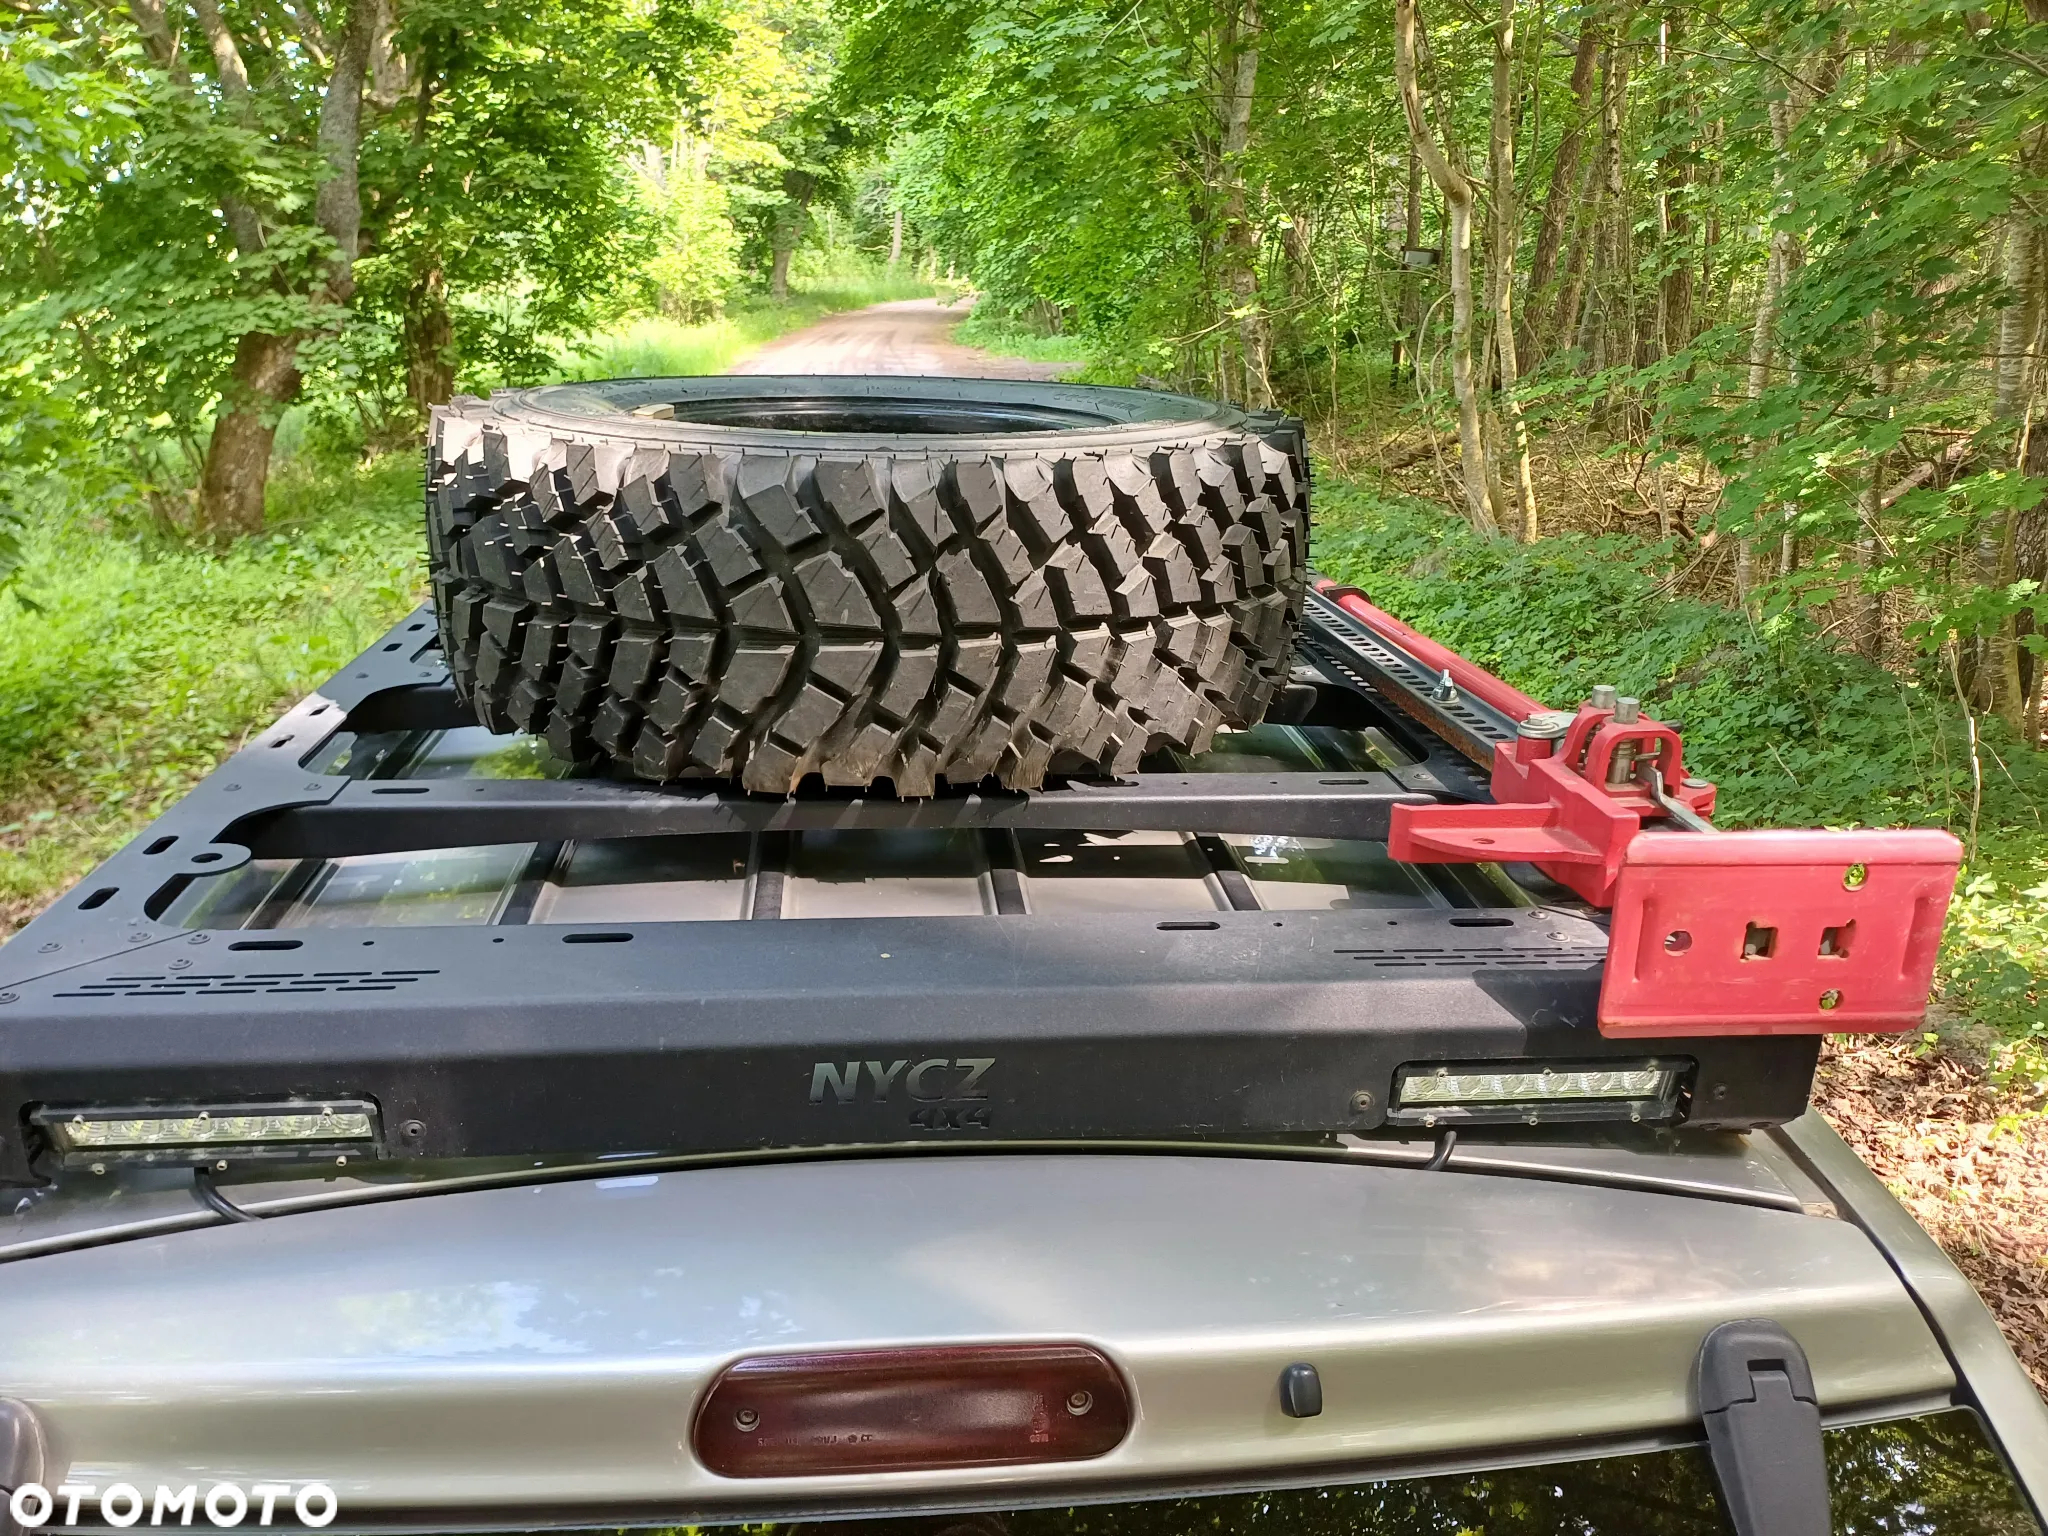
<point x="2009" y="689"/>
<point x="1763" y="330"/>
<point x="1457" y="194"/>
<point x="1574" y="315"/>
<point x="2008" y="680"/>
<point x="1710" y="236"/>
<point x="1674" y="226"/>
<point x="1993" y="661"/>
<point x="1506" y="235"/>
<point x="1411" y="282"/>
<point x="1564" y="182"/>
<point x="159" y="37"/>
<point x="1285" y="331"/>
<point x="1240" y="240"/>
<point x="429" y="342"/>
<point x="1565" y="314"/>
<point x="265" y="380"/>
<point x="1999" y="680"/>
<point x="2013" y="327"/>
<point x="787" y="231"/>
<point x="895" y="237"/>
<point x="265" y="376"/>
<point x="390" y="70"/>
<point x="1608" y="215"/>
<point x="2030" y="545"/>
<point x="1867" y="627"/>
<point x="338" y="205"/>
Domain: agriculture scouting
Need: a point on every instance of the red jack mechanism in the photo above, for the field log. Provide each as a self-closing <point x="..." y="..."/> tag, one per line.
<point x="1738" y="933"/>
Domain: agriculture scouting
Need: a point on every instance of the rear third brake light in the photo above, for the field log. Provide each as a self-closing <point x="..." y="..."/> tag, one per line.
<point x="903" y="1410"/>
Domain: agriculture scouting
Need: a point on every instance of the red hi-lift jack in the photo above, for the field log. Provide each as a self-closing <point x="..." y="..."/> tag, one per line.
<point x="1739" y="933"/>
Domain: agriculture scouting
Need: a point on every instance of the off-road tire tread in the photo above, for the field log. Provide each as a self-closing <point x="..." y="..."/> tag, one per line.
<point x="763" y="615"/>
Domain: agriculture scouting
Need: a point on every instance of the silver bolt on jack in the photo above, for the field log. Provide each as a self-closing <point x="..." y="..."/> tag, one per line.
<point x="1604" y="696"/>
<point x="1446" y="690"/>
<point x="1547" y="725"/>
<point x="1622" y="766"/>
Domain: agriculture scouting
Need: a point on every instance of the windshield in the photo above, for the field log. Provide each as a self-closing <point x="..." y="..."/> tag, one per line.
<point x="1932" y="1476"/>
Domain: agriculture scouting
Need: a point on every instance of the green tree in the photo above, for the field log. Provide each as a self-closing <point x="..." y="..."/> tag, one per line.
<point x="219" y="230"/>
<point x="800" y="156"/>
<point x="57" y="112"/>
<point x="1799" y="249"/>
<point x="272" y="123"/>
<point x="499" y="174"/>
<point x="747" y="157"/>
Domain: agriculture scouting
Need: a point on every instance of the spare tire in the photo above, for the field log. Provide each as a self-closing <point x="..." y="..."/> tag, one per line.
<point x="864" y="578"/>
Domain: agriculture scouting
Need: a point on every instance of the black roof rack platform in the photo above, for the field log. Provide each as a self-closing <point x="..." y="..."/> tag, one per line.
<point x="159" y="1012"/>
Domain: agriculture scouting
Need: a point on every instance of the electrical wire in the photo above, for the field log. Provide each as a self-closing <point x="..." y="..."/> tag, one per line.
<point x="1444" y="1144"/>
<point x="211" y="1197"/>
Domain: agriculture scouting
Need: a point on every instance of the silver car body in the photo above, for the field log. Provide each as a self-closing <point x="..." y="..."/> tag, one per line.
<point x="527" y="1352"/>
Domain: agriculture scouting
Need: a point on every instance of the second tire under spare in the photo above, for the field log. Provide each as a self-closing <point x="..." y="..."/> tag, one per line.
<point x="865" y="578"/>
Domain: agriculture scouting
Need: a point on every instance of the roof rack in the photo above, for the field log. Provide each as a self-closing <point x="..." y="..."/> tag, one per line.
<point x="130" y="1032"/>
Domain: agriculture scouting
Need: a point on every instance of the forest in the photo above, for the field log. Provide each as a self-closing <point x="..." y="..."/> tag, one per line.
<point x="1781" y="263"/>
<point x="1696" y="348"/>
<point x="1781" y="260"/>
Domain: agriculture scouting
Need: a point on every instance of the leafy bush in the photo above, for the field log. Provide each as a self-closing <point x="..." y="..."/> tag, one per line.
<point x="10" y="543"/>
<point x="996" y="330"/>
<point x="697" y="264"/>
<point x="145" y="659"/>
<point x="1794" y="731"/>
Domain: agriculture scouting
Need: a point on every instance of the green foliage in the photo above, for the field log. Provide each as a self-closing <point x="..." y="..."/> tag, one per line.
<point x="773" y="130"/>
<point x="122" y="291"/>
<point x="143" y="638"/>
<point x="1912" y="137"/>
<point x="58" y="115"/>
<point x="759" y="143"/>
<point x="1794" y="731"/>
<point x="1051" y="156"/>
<point x="988" y="328"/>
<point x="159" y="211"/>
<point x="503" y="178"/>
<point x="10" y="544"/>
<point x="696" y="265"/>
<point x="144" y="659"/>
<point x="1072" y="156"/>
<point x="1069" y="157"/>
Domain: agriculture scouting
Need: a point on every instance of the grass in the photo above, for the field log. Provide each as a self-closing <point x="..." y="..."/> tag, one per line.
<point x="652" y="347"/>
<point x="1795" y="731"/>
<point x="1010" y="337"/>
<point x="144" y="660"/>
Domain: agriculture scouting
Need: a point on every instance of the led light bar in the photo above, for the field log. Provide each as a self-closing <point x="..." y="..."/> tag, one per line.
<point x="1534" y="1093"/>
<point x="201" y="1133"/>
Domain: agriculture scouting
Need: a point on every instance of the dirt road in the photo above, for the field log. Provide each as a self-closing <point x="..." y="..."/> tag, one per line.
<point x="908" y="336"/>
